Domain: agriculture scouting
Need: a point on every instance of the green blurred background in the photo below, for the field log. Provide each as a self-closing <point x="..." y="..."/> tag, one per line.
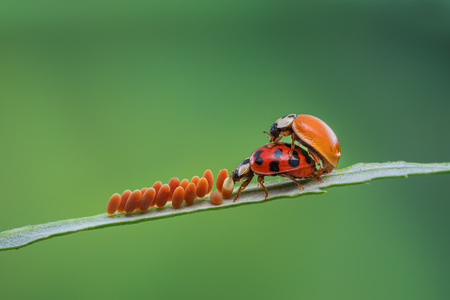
<point x="97" y="97"/>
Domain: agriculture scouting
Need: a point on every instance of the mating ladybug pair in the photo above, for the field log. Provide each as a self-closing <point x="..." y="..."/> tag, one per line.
<point x="317" y="153"/>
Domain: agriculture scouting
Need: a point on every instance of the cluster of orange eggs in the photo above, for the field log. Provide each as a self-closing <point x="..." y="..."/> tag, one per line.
<point x="317" y="153"/>
<point x="174" y="191"/>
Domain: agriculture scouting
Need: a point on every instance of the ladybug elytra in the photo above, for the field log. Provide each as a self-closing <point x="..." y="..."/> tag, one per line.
<point x="313" y="135"/>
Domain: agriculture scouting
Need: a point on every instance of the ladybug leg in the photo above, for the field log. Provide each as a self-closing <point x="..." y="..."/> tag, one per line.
<point x="261" y="183"/>
<point x="268" y="135"/>
<point x="317" y="161"/>
<point x="275" y="141"/>
<point x="243" y="186"/>
<point x="292" y="146"/>
<point x="319" y="179"/>
<point x="293" y="179"/>
<point x="272" y="138"/>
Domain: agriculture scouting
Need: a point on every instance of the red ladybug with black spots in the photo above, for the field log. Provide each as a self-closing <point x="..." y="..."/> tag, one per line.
<point x="274" y="161"/>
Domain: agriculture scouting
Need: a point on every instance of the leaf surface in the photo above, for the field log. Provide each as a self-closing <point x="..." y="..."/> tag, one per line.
<point x="358" y="173"/>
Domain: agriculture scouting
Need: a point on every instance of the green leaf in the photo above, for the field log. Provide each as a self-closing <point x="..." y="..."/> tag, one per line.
<point x="359" y="173"/>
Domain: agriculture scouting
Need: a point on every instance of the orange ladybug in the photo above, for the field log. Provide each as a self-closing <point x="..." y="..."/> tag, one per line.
<point x="313" y="135"/>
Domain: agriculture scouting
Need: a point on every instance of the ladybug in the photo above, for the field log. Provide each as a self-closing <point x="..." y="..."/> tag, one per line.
<point x="274" y="161"/>
<point x="313" y="135"/>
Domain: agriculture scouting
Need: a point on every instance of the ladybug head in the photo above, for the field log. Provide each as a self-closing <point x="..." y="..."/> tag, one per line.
<point x="280" y="125"/>
<point x="242" y="171"/>
<point x="274" y="131"/>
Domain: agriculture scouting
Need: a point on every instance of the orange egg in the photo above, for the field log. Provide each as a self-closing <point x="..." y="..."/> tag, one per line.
<point x="227" y="188"/>
<point x="202" y="187"/>
<point x="173" y="184"/>
<point x="195" y="179"/>
<point x="157" y="185"/>
<point x="163" y="196"/>
<point x="177" y="197"/>
<point x="133" y="201"/>
<point x="209" y="176"/>
<point x="223" y="174"/>
<point x="143" y="190"/>
<point x="184" y="183"/>
<point x="147" y="199"/>
<point x="215" y="197"/>
<point x="190" y="193"/>
<point x="113" y="204"/>
<point x="316" y="134"/>
<point x="123" y="200"/>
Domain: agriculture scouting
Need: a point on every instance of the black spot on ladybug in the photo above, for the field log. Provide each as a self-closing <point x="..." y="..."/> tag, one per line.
<point x="259" y="160"/>
<point x="278" y="153"/>
<point x="294" y="162"/>
<point x="257" y="153"/>
<point x="295" y="153"/>
<point x="308" y="158"/>
<point x="306" y="155"/>
<point x="274" y="166"/>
